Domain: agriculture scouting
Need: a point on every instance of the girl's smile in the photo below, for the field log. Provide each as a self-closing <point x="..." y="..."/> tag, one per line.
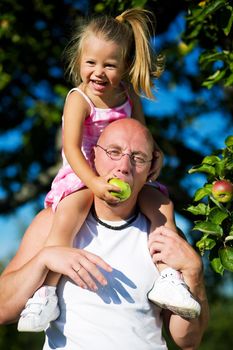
<point x="102" y="67"/>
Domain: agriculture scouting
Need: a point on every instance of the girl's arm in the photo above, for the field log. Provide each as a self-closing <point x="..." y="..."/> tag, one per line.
<point x="75" y="111"/>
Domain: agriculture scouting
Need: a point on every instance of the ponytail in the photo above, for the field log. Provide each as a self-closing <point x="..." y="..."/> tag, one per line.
<point x="144" y="66"/>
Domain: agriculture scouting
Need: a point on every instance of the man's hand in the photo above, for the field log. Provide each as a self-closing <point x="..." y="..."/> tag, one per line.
<point x="169" y="247"/>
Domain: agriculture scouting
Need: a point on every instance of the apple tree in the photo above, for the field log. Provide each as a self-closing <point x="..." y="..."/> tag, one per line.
<point x="215" y="207"/>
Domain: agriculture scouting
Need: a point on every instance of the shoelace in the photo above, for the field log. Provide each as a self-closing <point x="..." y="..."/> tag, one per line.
<point x="176" y="281"/>
<point x="34" y="307"/>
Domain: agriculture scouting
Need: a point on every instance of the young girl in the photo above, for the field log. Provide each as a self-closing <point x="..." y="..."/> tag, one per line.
<point x="111" y="63"/>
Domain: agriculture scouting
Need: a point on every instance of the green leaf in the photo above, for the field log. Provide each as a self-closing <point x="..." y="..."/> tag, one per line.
<point x="220" y="205"/>
<point x="228" y="26"/>
<point x="138" y="3"/>
<point x="200" y="209"/>
<point x="217" y="216"/>
<point x="202" y="168"/>
<point x="220" y="168"/>
<point x="211" y="160"/>
<point x="229" y="141"/>
<point x="211" y="56"/>
<point x="214" y="78"/>
<point x="229" y="166"/>
<point x="208" y="10"/>
<point x="205" y="243"/>
<point x="196" y="29"/>
<point x="215" y="261"/>
<point x="202" y="192"/>
<point x="209" y="228"/>
<point x="230" y="233"/>
<point x="229" y="80"/>
<point x="211" y="7"/>
<point x="226" y="257"/>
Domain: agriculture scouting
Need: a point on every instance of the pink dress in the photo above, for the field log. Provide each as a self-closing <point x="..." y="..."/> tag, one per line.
<point x="66" y="181"/>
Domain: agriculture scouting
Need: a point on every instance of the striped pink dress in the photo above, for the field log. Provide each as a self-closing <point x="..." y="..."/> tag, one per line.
<point x="66" y="181"/>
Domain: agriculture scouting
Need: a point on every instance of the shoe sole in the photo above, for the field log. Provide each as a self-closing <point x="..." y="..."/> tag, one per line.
<point x="41" y="328"/>
<point x="183" y="312"/>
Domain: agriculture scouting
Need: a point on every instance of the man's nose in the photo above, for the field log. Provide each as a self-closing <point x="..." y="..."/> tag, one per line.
<point x="125" y="164"/>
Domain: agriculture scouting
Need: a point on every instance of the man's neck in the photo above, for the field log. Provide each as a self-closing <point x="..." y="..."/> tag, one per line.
<point x="121" y="211"/>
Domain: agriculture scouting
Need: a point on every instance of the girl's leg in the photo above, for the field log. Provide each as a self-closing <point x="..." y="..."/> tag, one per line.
<point x="68" y="219"/>
<point x="42" y="308"/>
<point x="158" y="209"/>
<point x="169" y="291"/>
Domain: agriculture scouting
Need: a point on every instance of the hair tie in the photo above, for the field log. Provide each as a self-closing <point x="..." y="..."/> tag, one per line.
<point x="120" y="18"/>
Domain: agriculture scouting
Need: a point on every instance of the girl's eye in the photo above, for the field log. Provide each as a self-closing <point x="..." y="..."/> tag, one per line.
<point x="90" y="62"/>
<point x="110" y="65"/>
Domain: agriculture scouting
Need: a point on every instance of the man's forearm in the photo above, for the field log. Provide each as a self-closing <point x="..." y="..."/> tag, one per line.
<point x="187" y="334"/>
<point x="16" y="287"/>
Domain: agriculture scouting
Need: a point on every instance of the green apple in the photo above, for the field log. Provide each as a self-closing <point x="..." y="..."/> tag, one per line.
<point x="222" y="190"/>
<point x="125" y="192"/>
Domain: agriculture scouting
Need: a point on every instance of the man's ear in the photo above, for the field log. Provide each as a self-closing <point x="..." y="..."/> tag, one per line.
<point x="153" y="174"/>
<point x="156" y="165"/>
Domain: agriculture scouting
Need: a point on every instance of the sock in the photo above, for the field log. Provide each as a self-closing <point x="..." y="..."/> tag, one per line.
<point x="45" y="291"/>
<point x="168" y="271"/>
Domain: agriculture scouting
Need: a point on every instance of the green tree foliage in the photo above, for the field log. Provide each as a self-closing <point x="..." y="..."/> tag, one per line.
<point x="215" y="207"/>
<point x="209" y="25"/>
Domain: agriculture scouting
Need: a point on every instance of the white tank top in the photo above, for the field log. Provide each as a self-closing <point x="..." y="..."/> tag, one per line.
<point x="118" y="316"/>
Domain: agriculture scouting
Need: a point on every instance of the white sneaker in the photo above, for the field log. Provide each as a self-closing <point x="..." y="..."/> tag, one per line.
<point x="39" y="310"/>
<point x="170" y="292"/>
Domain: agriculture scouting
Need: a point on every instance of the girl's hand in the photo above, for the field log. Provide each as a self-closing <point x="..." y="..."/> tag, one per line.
<point x="101" y="189"/>
<point x="79" y="265"/>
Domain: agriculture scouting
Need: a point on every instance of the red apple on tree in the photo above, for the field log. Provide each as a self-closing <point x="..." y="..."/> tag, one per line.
<point x="222" y="191"/>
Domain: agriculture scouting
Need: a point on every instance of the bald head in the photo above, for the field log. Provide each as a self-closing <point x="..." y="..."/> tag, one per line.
<point x="133" y="128"/>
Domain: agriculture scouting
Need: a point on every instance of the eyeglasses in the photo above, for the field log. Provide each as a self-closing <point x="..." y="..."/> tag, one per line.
<point x="117" y="154"/>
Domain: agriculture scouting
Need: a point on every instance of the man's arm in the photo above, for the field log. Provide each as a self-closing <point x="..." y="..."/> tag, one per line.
<point x="27" y="270"/>
<point x="188" y="334"/>
<point x="169" y="247"/>
<point x="24" y="274"/>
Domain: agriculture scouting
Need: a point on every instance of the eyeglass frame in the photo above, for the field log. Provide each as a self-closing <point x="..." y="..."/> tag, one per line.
<point x="132" y="160"/>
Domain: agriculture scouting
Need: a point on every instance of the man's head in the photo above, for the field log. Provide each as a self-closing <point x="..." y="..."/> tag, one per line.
<point x="136" y="147"/>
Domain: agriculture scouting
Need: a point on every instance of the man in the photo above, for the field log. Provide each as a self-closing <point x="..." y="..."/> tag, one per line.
<point x="108" y="273"/>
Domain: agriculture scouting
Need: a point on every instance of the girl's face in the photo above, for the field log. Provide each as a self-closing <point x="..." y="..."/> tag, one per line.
<point x="102" y="66"/>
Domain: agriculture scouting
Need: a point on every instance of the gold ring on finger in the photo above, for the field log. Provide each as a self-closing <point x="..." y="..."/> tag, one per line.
<point x="78" y="269"/>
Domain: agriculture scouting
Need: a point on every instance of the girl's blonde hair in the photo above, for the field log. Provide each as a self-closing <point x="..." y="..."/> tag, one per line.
<point x="132" y="31"/>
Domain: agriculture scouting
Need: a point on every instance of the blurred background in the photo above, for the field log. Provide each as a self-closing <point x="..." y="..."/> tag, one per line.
<point x="191" y="116"/>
